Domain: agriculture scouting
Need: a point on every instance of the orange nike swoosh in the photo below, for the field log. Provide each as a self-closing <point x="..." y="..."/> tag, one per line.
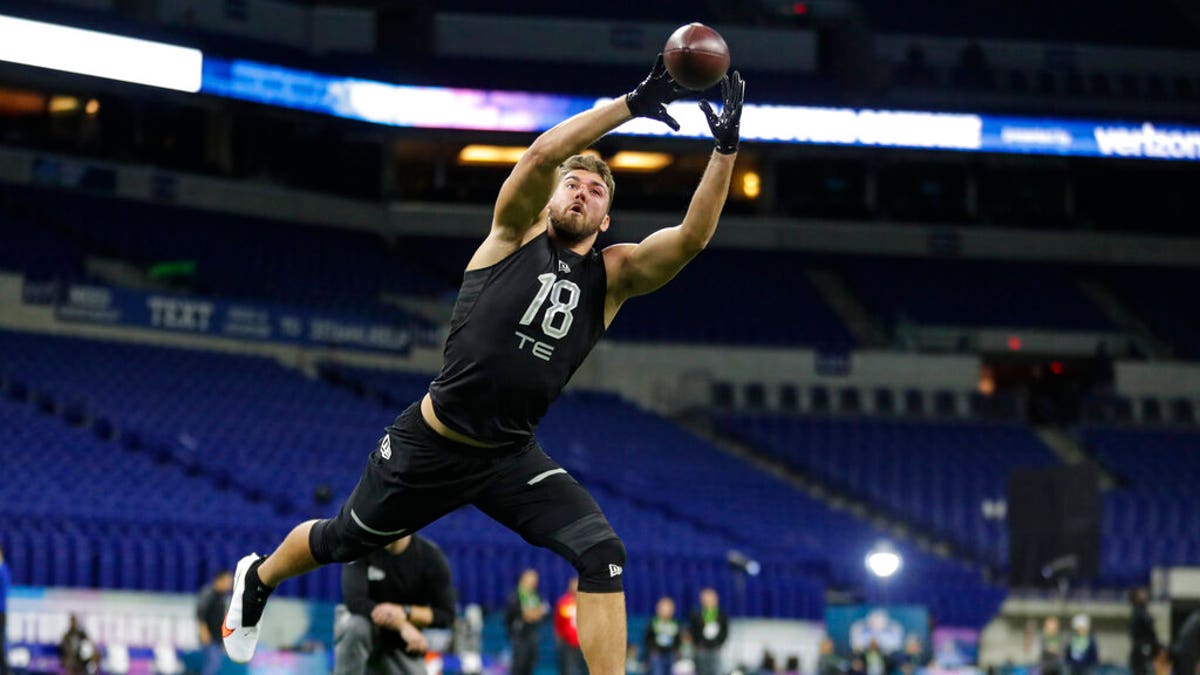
<point x="226" y="631"/>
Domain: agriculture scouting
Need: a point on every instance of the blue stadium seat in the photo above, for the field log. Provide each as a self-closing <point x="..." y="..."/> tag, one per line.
<point x="819" y="400"/>
<point x="914" y="402"/>
<point x="885" y="401"/>
<point x="849" y="400"/>
<point x="789" y="397"/>
<point x="934" y="474"/>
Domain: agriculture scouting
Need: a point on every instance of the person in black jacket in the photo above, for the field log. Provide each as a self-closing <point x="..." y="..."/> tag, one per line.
<point x="1142" y="636"/>
<point x="663" y="638"/>
<point x="523" y="614"/>
<point x="390" y="595"/>
<point x="1082" y="653"/>
<point x="709" y="628"/>
<point x="210" y="611"/>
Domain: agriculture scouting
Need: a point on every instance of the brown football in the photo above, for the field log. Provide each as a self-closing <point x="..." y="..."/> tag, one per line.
<point x="696" y="56"/>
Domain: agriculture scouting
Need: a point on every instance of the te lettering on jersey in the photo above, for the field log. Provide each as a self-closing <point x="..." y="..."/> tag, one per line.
<point x="540" y="349"/>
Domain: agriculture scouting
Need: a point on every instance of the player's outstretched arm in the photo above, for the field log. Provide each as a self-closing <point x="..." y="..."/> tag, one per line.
<point x="636" y="269"/>
<point x="527" y="189"/>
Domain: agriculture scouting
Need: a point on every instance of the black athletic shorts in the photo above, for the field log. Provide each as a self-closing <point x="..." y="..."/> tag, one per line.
<point x="416" y="476"/>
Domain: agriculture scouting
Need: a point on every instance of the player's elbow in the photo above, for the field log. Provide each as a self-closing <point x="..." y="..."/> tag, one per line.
<point x="695" y="234"/>
<point x="693" y="244"/>
<point x="540" y="156"/>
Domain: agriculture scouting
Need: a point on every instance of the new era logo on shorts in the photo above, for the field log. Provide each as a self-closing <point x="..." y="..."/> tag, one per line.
<point x="614" y="570"/>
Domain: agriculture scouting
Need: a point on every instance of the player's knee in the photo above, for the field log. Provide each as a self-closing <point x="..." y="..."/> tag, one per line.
<point x="330" y="542"/>
<point x="602" y="567"/>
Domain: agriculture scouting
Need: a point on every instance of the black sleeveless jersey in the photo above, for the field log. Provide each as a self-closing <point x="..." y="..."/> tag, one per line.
<point x="519" y="331"/>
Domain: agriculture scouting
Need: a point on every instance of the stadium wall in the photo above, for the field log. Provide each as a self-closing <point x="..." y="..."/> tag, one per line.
<point x="670" y="378"/>
<point x="318" y="29"/>
<point x="564" y="40"/>
<point x="1158" y="379"/>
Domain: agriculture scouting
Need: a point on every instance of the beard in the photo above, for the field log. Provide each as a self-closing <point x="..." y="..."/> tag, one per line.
<point x="571" y="227"/>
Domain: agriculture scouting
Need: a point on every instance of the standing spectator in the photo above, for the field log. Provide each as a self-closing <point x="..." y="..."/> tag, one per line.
<point x="829" y="662"/>
<point x="913" y="658"/>
<point x="76" y="651"/>
<point x="662" y="638"/>
<point x="210" y="613"/>
<point x="1052" y="647"/>
<point x="390" y="594"/>
<point x="1082" y="655"/>
<point x="1142" y="636"/>
<point x="709" y="628"/>
<point x="566" y="633"/>
<point x="768" y="666"/>
<point x="522" y="616"/>
<point x="5" y="581"/>
<point x="876" y="661"/>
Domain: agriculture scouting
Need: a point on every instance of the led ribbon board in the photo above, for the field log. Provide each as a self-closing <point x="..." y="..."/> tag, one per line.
<point x="447" y="108"/>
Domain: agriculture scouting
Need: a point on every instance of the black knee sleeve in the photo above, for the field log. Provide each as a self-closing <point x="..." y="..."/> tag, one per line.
<point x="602" y="567"/>
<point x="331" y="541"/>
<point x="592" y="548"/>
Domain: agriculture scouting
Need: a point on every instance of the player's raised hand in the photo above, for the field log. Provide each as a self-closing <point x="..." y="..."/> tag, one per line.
<point x="726" y="127"/>
<point x="649" y="98"/>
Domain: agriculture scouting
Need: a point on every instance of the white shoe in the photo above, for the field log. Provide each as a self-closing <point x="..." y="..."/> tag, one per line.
<point x="239" y="641"/>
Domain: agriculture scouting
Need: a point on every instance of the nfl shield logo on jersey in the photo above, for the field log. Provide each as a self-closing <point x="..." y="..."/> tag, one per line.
<point x="385" y="447"/>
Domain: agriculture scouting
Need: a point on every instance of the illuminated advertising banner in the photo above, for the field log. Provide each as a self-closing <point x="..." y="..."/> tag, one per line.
<point x="239" y="320"/>
<point x="162" y="65"/>
<point x="483" y="110"/>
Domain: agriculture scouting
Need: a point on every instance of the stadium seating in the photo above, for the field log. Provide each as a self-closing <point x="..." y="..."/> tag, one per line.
<point x="1156" y="23"/>
<point x="1149" y="520"/>
<point x="1153" y="294"/>
<point x="710" y="302"/>
<point x="235" y="257"/>
<point x="33" y="248"/>
<point x="227" y="425"/>
<point x="975" y="293"/>
<point x="932" y="474"/>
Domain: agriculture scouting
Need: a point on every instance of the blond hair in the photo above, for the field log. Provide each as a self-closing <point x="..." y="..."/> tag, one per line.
<point x="588" y="163"/>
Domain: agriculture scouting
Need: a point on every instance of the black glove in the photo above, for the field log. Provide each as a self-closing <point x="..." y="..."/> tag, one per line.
<point x="726" y="127"/>
<point x="649" y="98"/>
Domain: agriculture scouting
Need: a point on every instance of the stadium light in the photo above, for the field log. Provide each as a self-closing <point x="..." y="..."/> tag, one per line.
<point x="751" y="184"/>
<point x="743" y="563"/>
<point x="641" y="162"/>
<point x="86" y="52"/>
<point x="490" y="155"/>
<point x="499" y="155"/>
<point x="883" y="560"/>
